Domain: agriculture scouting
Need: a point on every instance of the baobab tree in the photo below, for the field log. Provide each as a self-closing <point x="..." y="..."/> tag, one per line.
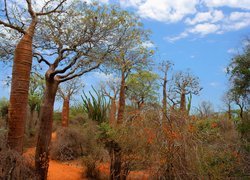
<point x="66" y="91"/>
<point x="71" y="45"/>
<point x="110" y="88"/>
<point x="13" y="16"/>
<point x="131" y="55"/>
<point x="184" y="84"/>
<point x="165" y="67"/>
<point x="142" y="87"/>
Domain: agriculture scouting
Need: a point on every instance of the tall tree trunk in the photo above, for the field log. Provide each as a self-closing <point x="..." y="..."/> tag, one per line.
<point x="19" y="89"/>
<point x="164" y="100"/>
<point x="121" y="100"/>
<point x="115" y="160"/>
<point x="112" y="112"/>
<point x="45" y="129"/>
<point x="65" y="112"/>
<point x="183" y="102"/>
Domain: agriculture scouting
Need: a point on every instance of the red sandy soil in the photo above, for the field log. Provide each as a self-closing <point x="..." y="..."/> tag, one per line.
<point x="74" y="170"/>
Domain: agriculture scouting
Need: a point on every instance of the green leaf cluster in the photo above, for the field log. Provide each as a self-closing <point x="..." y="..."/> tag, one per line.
<point x="95" y="106"/>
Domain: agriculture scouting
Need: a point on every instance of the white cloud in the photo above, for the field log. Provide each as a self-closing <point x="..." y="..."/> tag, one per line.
<point x="242" y="4"/>
<point x="232" y="22"/>
<point x="176" y="38"/>
<point x="163" y="10"/>
<point x="232" y="51"/>
<point x="209" y="16"/>
<point x="204" y="29"/>
<point x="236" y="21"/>
<point x="103" y="76"/>
<point x="148" y="44"/>
<point x="202" y="17"/>
<point x="214" y="84"/>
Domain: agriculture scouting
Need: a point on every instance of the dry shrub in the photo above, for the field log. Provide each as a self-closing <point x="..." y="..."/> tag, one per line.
<point x="12" y="164"/>
<point x="92" y="171"/>
<point x="95" y="152"/>
<point x="68" y="145"/>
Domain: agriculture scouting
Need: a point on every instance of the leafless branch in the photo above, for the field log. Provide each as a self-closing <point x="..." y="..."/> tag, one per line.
<point x="40" y="59"/>
<point x="73" y="61"/>
<point x="30" y="9"/>
<point x="12" y="27"/>
<point x="80" y="73"/>
<point x="55" y="10"/>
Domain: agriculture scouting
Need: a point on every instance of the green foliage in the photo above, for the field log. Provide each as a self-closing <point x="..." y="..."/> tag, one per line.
<point x="96" y="106"/>
<point x="142" y="87"/>
<point x="36" y="90"/>
<point x="239" y="71"/>
<point x="220" y="163"/>
<point x="106" y="132"/>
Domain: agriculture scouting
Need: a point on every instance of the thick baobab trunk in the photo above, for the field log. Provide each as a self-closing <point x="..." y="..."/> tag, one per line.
<point x="112" y="112"/>
<point x="65" y="112"/>
<point x="45" y="129"/>
<point x="115" y="160"/>
<point x="121" y="108"/>
<point x="183" y="102"/>
<point x="19" y="89"/>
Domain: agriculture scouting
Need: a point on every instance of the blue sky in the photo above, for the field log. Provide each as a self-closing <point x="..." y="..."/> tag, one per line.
<point x="200" y="35"/>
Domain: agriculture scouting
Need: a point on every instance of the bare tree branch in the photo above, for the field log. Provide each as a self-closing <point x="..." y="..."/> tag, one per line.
<point x="30" y="9"/>
<point x="40" y="59"/>
<point x="80" y="73"/>
<point x="55" y="10"/>
<point x="13" y="27"/>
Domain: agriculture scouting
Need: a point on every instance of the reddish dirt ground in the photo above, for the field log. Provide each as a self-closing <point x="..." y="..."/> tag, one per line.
<point x="74" y="171"/>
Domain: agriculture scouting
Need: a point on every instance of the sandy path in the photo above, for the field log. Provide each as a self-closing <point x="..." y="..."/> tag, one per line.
<point x="59" y="170"/>
<point x="72" y="171"/>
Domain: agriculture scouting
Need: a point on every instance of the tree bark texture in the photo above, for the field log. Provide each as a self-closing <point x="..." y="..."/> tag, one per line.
<point x="183" y="102"/>
<point x="45" y="130"/>
<point x="121" y="108"/>
<point x="164" y="100"/>
<point x="19" y="89"/>
<point x="112" y="112"/>
<point x="65" y="112"/>
<point x="115" y="160"/>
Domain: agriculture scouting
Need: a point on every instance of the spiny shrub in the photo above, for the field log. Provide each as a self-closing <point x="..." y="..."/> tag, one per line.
<point x="96" y="106"/>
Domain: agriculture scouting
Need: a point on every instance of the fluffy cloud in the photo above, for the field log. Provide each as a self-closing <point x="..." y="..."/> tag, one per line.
<point x="242" y="4"/>
<point x="209" y="16"/>
<point x="202" y="17"/>
<point x="163" y="10"/>
<point x="213" y="24"/>
<point x="204" y="29"/>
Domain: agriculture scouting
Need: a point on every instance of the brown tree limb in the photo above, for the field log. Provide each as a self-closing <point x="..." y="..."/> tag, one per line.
<point x="12" y="27"/>
<point x="80" y="73"/>
<point x="55" y="10"/>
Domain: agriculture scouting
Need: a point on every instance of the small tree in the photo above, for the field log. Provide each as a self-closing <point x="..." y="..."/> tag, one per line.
<point x="66" y="92"/>
<point x="164" y="67"/>
<point x="110" y="88"/>
<point x="142" y="87"/>
<point x="185" y="83"/>
<point x="205" y="109"/>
